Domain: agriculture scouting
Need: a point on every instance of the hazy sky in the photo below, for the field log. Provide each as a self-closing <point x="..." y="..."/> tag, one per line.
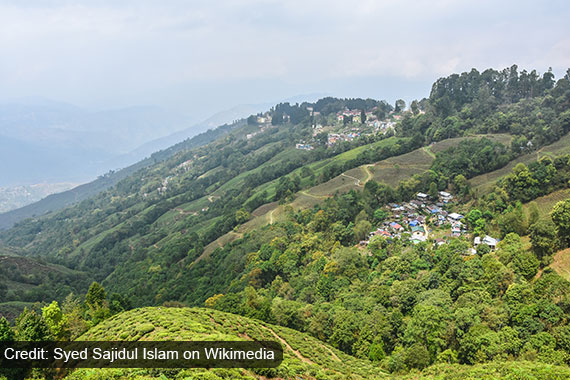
<point x="203" y="56"/>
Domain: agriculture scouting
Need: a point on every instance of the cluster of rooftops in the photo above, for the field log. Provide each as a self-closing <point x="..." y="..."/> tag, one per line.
<point x="409" y="221"/>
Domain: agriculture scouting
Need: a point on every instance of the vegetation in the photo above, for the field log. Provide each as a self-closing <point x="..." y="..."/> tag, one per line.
<point x="387" y="305"/>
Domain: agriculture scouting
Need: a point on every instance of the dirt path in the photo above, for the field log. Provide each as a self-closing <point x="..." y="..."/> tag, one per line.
<point x="304" y="192"/>
<point x="369" y="174"/>
<point x="357" y="182"/>
<point x="183" y="212"/>
<point x="284" y="342"/>
<point x="271" y="216"/>
<point x="429" y="152"/>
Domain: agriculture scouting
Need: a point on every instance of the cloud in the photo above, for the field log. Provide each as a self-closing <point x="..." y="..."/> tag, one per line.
<point x="108" y="52"/>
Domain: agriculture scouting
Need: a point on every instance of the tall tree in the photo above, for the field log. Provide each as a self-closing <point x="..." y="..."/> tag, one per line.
<point x="543" y="238"/>
<point x="561" y="218"/>
<point x="56" y="321"/>
<point x="32" y="327"/>
<point x="400" y="105"/>
<point x="6" y="332"/>
<point x="96" y="296"/>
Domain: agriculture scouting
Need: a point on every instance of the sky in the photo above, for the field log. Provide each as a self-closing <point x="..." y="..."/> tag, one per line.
<point x="200" y="57"/>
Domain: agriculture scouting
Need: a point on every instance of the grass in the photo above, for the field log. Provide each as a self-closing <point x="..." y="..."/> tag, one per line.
<point x="440" y="146"/>
<point x="561" y="263"/>
<point x="520" y="370"/>
<point x="303" y="354"/>
<point x="547" y="202"/>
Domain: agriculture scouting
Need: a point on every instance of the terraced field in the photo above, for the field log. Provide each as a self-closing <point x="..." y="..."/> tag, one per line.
<point x="304" y="355"/>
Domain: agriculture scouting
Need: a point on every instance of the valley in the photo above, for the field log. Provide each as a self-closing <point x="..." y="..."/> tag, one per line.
<point x="369" y="242"/>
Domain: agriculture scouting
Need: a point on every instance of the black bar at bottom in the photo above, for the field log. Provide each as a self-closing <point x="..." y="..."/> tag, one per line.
<point x="121" y="354"/>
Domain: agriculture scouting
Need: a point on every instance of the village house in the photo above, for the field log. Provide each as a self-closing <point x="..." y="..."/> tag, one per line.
<point x="303" y="146"/>
<point x="418" y="234"/>
<point x="455" y="216"/>
<point x="422" y="196"/>
<point x="445" y="197"/>
<point x="488" y="240"/>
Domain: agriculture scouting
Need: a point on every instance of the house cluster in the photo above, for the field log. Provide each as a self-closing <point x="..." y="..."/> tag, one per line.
<point x="303" y="146"/>
<point x="264" y="118"/>
<point x="162" y="189"/>
<point x="354" y="114"/>
<point x="407" y="226"/>
<point x="264" y="123"/>
<point x="409" y="220"/>
<point x="333" y="138"/>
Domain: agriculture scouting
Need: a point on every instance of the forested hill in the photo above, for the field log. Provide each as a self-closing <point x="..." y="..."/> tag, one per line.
<point x="60" y="200"/>
<point x="273" y="220"/>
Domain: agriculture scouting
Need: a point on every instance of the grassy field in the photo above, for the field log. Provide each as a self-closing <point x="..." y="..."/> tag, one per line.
<point x="395" y="169"/>
<point x="547" y="202"/>
<point x="440" y="146"/>
<point x="561" y="263"/>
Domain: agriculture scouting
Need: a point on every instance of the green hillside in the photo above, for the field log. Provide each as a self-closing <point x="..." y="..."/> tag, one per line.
<point x="484" y="182"/>
<point x="339" y="230"/>
<point x="58" y="201"/>
<point x="304" y="355"/>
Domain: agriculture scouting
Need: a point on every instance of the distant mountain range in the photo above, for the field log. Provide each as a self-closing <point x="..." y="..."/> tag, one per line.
<point x="44" y="142"/>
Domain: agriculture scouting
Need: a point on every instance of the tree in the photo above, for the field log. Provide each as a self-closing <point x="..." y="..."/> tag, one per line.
<point x="432" y="192"/>
<point x="428" y="327"/>
<point x="417" y="356"/>
<point x="380" y="215"/>
<point x="6" y="332"/>
<point x="525" y="264"/>
<point x="252" y="120"/>
<point x="118" y="303"/>
<point x="96" y="296"/>
<point x="461" y="185"/>
<point x="56" y="321"/>
<point x="561" y="218"/>
<point x="74" y="313"/>
<point x="242" y="216"/>
<point x="362" y="229"/>
<point x="31" y="327"/>
<point x="415" y="107"/>
<point x="399" y="106"/>
<point x="543" y="238"/>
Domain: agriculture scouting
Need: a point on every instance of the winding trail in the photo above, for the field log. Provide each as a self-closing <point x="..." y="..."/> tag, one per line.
<point x="286" y="344"/>
<point x="369" y="174"/>
<point x="271" y="215"/>
<point x="357" y="182"/>
<point x="304" y="192"/>
<point x="429" y="152"/>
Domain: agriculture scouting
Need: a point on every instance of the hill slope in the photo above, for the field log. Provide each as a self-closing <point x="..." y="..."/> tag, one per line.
<point x="60" y="200"/>
<point x="303" y="354"/>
